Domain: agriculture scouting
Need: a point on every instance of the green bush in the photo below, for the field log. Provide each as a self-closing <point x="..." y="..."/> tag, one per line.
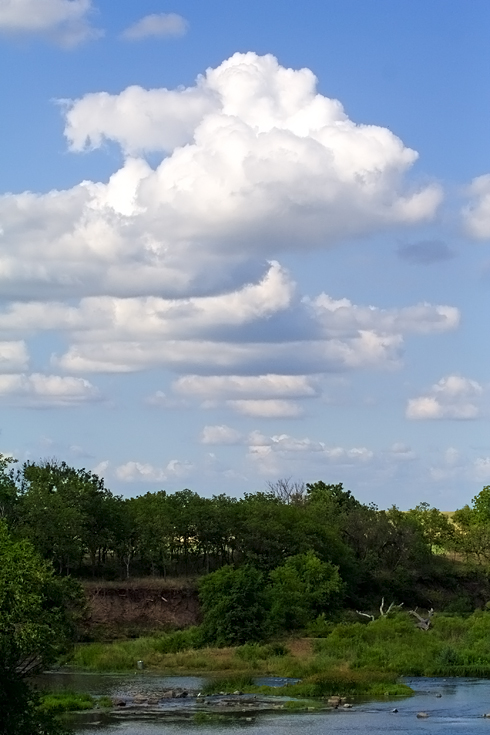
<point x="180" y="640"/>
<point x="319" y="628"/>
<point x="234" y="606"/>
<point x="301" y="589"/>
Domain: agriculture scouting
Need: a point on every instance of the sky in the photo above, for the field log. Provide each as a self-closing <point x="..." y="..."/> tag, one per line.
<point x="242" y="242"/>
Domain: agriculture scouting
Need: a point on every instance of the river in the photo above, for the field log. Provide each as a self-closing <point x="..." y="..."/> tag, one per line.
<point x="453" y="706"/>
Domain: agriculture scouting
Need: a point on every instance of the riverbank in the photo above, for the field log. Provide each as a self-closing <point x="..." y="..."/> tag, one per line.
<point x="363" y="658"/>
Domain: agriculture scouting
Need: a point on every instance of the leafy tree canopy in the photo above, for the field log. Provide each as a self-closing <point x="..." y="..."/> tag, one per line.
<point x="38" y="613"/>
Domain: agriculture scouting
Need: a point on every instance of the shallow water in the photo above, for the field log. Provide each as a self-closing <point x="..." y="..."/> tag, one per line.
<point x="458" y="711"/>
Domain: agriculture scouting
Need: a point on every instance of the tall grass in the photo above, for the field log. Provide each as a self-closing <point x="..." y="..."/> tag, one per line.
<point x="454" y="646"/>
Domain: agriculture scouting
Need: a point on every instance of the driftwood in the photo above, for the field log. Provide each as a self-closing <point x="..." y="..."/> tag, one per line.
<point x="382" y="612"/>
<point x="423" y="623"/>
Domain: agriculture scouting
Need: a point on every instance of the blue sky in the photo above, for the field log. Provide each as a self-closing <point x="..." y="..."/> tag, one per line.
<point x="247" y="241"/>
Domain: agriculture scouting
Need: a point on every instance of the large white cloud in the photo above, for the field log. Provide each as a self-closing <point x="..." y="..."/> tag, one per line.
<point x="67" y="21"/>
<point x="258" y="162"/>
<point x="452" y="397"/>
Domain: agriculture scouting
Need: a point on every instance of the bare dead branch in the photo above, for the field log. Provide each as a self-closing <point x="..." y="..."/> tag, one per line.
<point x="423" y="623"/>
<point x="366" y="615"/>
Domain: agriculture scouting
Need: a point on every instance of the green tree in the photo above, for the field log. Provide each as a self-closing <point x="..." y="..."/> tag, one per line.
<point x="234" y="605"/>
<point x="301" y="589"/>
<point x="9" y="495"/>
<point x="472" y="532"/>
<point x="38" y="616"/>
<point x="438" y="531"/>
<point x="67" y="513"/>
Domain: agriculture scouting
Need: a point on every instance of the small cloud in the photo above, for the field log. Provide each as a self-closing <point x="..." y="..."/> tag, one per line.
<point x="159" y="399"/>
<point x="401" y="452"/>
<point x="157" y="25"/>
<point x="268" y="409"/>
<point x="425" y="252"/>
<point x="220" y="435"/>
<point x="481" y="469"/>
<point x="101" y="468"/>
<point x="476" y="215"/>
<point x="453" y="397"/>
<point x="139" y="471"/>
<point x="47" y="391"/>
<point x="143" y="472"/>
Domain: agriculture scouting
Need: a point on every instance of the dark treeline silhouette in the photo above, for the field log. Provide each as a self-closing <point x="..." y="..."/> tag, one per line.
<point x="419" y="556"/>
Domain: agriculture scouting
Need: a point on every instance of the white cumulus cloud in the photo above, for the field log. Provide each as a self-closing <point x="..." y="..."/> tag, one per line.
<point x="156" y="25"/>
<point x="257" y="155"/>
<point x="452" y="397"/>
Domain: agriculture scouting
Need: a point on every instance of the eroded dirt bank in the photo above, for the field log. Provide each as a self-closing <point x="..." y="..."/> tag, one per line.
<point x="118" y="610"/>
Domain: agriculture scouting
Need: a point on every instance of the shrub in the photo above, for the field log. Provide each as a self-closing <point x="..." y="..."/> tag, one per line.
<point x="234" y="606"/>
<point x="180" y="640"/>
<point x="302" y="588"/>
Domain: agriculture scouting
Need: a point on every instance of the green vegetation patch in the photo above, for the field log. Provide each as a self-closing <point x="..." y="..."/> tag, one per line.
<point x="454" y="646"/>
<point x="58" y="702"/>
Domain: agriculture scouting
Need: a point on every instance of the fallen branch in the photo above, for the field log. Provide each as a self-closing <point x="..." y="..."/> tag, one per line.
<point x="423" y="623"/>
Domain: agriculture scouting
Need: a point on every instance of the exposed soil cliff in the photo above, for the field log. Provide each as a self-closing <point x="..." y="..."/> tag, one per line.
<point x="122" y="610"/>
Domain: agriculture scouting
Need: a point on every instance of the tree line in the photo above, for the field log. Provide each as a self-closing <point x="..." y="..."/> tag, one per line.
<point x="85" y="530"/>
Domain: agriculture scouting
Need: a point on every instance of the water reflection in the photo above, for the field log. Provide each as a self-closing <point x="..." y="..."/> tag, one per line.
<point x="454" y="707"/>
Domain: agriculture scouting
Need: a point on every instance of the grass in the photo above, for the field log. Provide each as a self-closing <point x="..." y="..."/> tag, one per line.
<point x="339" y="681"/>
<point x="58" y="702"/>
<point x="155" y="651"/>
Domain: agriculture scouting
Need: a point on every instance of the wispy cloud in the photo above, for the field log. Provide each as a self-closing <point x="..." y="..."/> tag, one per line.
<point x="157" y="25"/>
<point x="66" y="22"/>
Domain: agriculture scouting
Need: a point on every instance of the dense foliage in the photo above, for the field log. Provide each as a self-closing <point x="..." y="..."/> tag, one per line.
<point x="38" y="613"/>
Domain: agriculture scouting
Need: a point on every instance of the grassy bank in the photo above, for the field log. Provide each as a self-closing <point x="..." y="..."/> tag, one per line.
<point x="454" y="646"/>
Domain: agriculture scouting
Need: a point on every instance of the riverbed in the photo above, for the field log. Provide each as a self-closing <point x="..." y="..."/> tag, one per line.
<point x="451" y="706"/>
